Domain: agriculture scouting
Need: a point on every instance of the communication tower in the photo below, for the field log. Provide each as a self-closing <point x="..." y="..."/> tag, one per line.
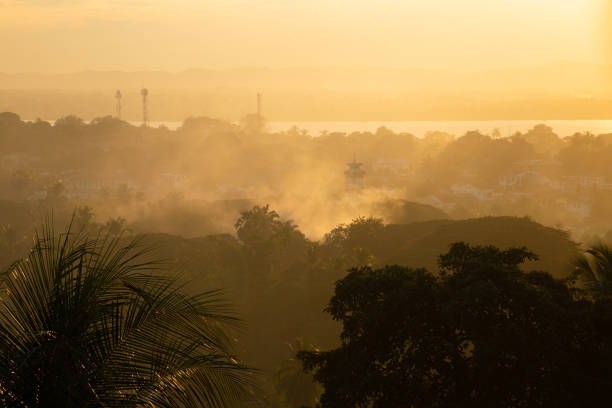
<point x="118" y="97"/>
<point x="144" y="92"/>
<point x="259" y="105"/>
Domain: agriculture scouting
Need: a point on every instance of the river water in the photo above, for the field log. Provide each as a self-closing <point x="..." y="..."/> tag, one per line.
<point x="420" y="128"/>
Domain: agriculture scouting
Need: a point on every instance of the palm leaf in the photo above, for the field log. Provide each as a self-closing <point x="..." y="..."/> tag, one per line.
<point x="593" y="268"/>
<point x="87" y="322"/>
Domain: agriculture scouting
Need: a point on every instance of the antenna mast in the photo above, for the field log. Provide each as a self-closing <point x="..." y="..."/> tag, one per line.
<point x="118" y="96"/>
<point x="259" y="105"/>
<point x="145" y="108"/>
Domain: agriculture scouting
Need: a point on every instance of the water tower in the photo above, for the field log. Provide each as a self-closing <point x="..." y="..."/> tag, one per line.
<point x="144" y="92"/>
<point x="118" y="97"/>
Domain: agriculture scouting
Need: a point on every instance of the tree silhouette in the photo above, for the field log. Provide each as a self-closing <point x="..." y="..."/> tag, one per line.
<point x="295" y="387"/>
<point x="483" y="333"/>
<point x="272" y="246"/>
<point x="86" y="323"/>
<point x="115" y="226"/>
<point x="56" y="189"/>
<point x="253" y="124"/>
<point x="257" y="225"/>
<point x="355" y="244"/>
<point x="593" y="269"/>
<point x="83" y="216"/>
<point x="69" y="123"/>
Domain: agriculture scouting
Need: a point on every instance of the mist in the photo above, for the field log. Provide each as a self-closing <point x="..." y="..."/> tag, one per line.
<point x="305" y="204"/>
<point x="207" y="171"/>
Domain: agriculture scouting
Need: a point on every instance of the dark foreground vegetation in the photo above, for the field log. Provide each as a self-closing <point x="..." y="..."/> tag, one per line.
<point x="483" y="333"/>
<point x="91" y="321"/>
<point x="87" y="322"/>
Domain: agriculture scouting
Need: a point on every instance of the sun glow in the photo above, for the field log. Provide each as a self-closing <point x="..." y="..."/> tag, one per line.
<point x="157" y="35"/>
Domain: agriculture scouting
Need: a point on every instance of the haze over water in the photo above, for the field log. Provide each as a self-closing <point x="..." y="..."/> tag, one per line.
<point x="420" y="128"/>
<point x="457" y="128"/>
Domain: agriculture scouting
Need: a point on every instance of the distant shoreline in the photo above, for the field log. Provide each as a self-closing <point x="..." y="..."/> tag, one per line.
<point x="420" y="127"/>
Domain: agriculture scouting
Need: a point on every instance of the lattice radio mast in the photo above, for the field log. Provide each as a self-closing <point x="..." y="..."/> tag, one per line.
<point x="118" y="97"/>
<point x="145" y="108"/>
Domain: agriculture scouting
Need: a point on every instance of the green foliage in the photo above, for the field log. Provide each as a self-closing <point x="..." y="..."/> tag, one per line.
<point x="88" y="323"/>
<point x="482" y="334"/>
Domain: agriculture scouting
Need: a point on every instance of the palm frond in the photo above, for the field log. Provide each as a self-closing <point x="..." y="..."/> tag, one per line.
<point x="593" y="268"/>
<point x="89" y="322"/>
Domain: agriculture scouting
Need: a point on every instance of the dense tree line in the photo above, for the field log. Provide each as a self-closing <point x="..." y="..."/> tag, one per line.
<point x="280" y="281"/>
<point x="85" y="319"/>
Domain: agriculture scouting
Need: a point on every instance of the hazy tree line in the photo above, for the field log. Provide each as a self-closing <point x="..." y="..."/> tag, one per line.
<point x="209" y="170"/>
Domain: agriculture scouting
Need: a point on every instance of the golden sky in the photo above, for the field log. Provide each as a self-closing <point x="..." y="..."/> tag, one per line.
<point x="52" y="36"/>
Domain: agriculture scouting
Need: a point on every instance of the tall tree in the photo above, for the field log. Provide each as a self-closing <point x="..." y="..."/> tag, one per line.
<point x="483" y="333"/>
<point x="272" y="246"/>
<point x="296" y="388"/>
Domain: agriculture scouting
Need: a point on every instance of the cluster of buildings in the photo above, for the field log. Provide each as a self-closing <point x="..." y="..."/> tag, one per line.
<point x="527" y="188"/>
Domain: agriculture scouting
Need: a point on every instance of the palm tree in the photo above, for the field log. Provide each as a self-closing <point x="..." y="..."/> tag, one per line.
<point x="87" y="323"/>
<point x="593" y="269"/>
<point x="294" y="386"/>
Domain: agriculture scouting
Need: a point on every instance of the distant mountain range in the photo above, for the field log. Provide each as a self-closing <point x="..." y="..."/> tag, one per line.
<point x="560" y="78"/>
<point x="554" y="91"/>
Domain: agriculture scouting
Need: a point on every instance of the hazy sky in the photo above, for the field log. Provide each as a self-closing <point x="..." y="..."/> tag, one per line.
<point x="73" y="35"/>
